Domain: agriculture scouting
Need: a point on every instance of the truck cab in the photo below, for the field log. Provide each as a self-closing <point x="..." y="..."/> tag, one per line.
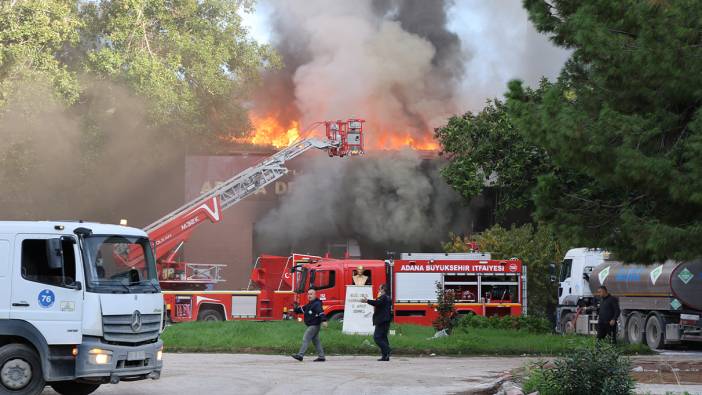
<point x="80" y="306"/>
<point x="573" y="288"/>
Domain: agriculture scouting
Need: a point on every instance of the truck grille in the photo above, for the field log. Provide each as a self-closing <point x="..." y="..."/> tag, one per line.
<point x="118" y="328"/>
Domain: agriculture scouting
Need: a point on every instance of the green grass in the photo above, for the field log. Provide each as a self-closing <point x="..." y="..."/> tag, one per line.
<point x="283" y="337"/>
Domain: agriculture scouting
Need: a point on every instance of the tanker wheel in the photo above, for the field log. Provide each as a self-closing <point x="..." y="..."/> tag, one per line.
<point x="655" y="333"/>
<point x="210" y="315"/>
<point x="635" y="328"/>
<point x="568" y="324"/>
<point x="74" y="388"/>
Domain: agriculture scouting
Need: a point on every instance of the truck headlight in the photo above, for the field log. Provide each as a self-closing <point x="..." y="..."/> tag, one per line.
<point x="159" y="354"/>
<point x="98" y="356"/>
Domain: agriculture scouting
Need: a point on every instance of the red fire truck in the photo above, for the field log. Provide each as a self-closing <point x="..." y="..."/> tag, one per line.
<point x="481" y="285"/>
<point x="185" y="284"/>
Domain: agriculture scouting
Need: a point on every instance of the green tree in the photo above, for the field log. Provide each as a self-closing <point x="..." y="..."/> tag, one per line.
<point x="33" y="39"/>
<point x="624" y="122"/>
<point x="485" y="150"/>
<point x="536" y="246"/>
<point x="193" y="60"/>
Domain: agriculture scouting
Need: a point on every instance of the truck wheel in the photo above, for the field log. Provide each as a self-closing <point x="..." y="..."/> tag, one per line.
<point x="20" y="370"/>
<point x="74" y="388"/>
<point x="568" y="324"/>
<point x="339" y="317"/>
<point x="635" y="328"/>
<point x="655" y="334"/>
<point x="210" y="315"/>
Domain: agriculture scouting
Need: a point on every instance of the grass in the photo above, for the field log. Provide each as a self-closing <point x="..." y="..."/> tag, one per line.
<point x="283" y="337"/>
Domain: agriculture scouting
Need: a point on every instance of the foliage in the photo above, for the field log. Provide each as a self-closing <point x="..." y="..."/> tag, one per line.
<point x="596" y="368"/>
<point x="191" y="59"/>
<point x="33" y="38"/>
<point x="623" y="122"/>
<point x="530" y="323"/>
<point x="445" y="307"/>
<point x="486" y="150"/>
<point x="537" y="247"/>
<point x="282" y="337"/>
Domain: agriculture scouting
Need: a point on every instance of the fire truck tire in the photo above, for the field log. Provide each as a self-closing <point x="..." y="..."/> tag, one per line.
<point x="655" y="332"/>
<point x="20" y="370"/>
<point x="337" y="317"/>
<point x="568" y="324"/>
<point x="74" y="388"/>
<point x="635" y="328"/>
<point x="210" y="315"/>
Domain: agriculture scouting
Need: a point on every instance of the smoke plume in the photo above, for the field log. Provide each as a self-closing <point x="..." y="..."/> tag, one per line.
<point x="396" y="201"/>
<point x="100" y="160"/>
<point x="392" y="62"/>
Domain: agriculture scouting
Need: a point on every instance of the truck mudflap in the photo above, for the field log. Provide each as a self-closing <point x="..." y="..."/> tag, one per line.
<point x="103" y="362"/>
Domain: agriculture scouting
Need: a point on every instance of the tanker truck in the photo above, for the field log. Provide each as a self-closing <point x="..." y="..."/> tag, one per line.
<point x="661" y="303"/>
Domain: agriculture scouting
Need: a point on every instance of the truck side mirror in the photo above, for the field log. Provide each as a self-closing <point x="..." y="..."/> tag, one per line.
<point x="54" y="253"/>
<point x="552" y="269"/>
<point x="586" y="277"/>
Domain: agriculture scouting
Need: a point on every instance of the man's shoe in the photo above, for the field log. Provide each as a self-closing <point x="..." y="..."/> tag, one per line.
<point x="320" y="359"/>
<point x="384" y="359"/>
<point x="297" y="356"/>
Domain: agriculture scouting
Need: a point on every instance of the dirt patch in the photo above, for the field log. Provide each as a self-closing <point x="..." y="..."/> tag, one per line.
<point x="668" y="372"/>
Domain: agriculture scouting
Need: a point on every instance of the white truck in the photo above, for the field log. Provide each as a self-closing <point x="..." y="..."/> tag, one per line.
<point x="74" y="312"/>
<point x="661" y="304"/>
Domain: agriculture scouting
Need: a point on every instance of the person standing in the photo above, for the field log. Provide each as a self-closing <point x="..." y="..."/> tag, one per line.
<point x="381" y="321"/>
<point x="314" y="319"/>
<point x="608" y="315"/>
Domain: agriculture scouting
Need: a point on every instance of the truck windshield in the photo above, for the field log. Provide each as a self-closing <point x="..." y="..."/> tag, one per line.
<point x="565" y="269"/>
<point x="119" y="264"/>
<point x="300" y="279"/>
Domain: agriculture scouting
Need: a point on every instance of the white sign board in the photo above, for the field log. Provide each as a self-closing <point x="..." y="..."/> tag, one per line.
<point x="358" y="316"/>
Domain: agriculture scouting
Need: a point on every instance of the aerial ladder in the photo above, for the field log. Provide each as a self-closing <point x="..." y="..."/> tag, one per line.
<point x="169" y="233"/>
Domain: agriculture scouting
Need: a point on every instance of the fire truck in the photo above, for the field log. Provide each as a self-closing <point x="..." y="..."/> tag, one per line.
<point x="186" y="284"/>
<point x="481" y="285"/>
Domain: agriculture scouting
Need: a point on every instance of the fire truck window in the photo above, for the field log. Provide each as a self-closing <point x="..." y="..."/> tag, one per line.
<point x="324" y="279"/>
<point x="35" y="263"/>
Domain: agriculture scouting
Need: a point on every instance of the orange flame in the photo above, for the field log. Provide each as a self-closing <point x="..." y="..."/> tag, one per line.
<point x="268" y="130"/>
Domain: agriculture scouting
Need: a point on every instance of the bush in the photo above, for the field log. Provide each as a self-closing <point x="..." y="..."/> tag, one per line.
<point x="534" y="324"/>
<point x="446" y="307"/>
<point x="596" y="368"/>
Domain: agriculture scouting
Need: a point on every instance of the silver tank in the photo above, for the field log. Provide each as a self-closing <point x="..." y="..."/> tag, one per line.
<point x="681" y="280"/>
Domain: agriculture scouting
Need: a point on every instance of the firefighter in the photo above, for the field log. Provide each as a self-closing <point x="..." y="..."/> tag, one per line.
<point x="608" y="315"/>
<point x="314" y="318"/>
<point x="381" y="321"/>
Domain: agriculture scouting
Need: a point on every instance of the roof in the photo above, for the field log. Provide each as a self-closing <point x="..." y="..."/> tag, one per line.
<point x="66" y="228"/>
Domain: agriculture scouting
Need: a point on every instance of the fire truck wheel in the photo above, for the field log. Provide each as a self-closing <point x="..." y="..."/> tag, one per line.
<point x="655" y="334"/>
<point x="337" y="317"/>
<point x="210" y="315"/>
<point x="73" y="388"/>
<point x="635" y="328"/>
<point x="20" y="370"/>
<point x="568" y="324"/>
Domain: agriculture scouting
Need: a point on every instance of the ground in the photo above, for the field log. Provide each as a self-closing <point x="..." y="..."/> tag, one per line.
<point x="278" y="374"/>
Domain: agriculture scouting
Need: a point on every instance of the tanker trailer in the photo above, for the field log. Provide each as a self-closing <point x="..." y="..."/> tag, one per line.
<point x="661" y="304"/>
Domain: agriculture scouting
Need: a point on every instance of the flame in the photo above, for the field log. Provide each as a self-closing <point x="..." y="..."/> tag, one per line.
<point x="268" y="130"/>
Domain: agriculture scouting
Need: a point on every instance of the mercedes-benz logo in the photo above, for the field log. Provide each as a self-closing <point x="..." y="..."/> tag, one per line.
<point x="136" y="321"/>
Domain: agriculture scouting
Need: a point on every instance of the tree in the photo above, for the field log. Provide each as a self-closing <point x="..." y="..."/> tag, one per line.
<point x="485" y="150"/>
<point x="33" y="38"/>
<point x="624" y="121"/>
<point x="536" y="246"/>
<point x="445" y="307"/>
<point x="193" y="60"/>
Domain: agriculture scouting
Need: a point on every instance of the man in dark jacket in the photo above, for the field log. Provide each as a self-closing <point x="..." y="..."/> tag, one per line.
<point x="608" y="315"/>
<point x="314" y="318"/>
<point x="381" y="320"/>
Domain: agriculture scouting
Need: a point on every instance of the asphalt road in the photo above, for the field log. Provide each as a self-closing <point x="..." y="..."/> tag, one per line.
<point x="206" y="374"/>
